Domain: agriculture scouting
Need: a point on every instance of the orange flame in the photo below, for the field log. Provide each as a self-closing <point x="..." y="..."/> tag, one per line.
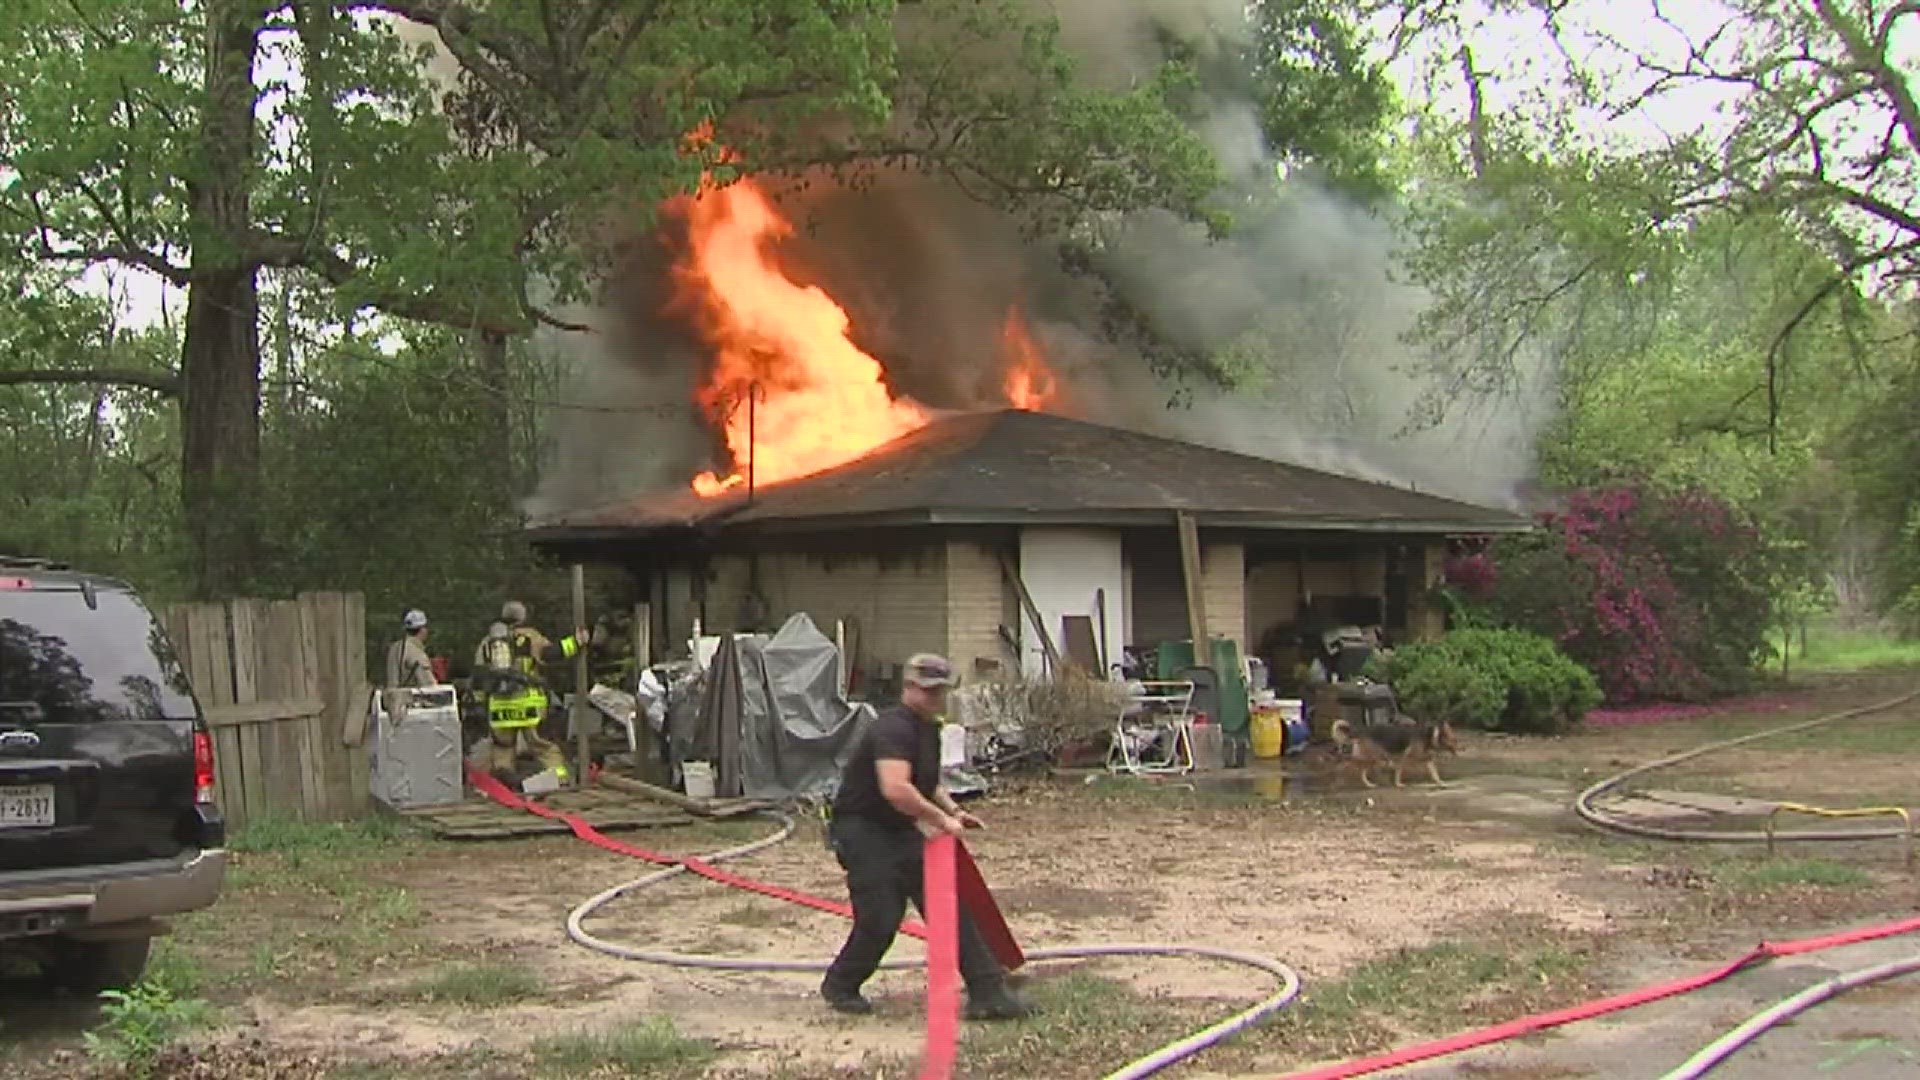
<point x="1030" y="383"/>
<point x="818" y="400"/>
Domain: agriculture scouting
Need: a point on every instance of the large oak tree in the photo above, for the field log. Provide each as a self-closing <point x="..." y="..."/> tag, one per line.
<point x="210" y="142"/>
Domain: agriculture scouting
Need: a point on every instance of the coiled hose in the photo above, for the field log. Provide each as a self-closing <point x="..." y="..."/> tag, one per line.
<point x="1168" y="1055"/>
<point x="1583" y="803"/>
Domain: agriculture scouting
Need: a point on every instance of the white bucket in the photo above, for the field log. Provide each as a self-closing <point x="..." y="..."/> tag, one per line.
<point x="698" y="776"/>
<point x="953" y="746"/>
<point x="1291" y="709"/>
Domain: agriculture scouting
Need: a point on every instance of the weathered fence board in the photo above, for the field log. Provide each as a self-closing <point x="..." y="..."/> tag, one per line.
<point x="276" y="681"/>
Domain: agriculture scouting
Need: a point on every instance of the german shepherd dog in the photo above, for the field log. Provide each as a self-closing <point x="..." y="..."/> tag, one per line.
<point x="1403" y="743"/>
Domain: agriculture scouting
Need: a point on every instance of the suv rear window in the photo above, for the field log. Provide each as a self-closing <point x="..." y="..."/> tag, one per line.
<point x="62" y="661"/>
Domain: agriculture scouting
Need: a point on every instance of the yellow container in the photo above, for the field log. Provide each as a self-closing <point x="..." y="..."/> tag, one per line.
<point x="1269" y="733"/>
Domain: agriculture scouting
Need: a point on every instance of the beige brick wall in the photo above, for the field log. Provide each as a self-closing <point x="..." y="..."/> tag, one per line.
<point x="1223" y="587"/>
<point x="897" y="600"/>
<point x="979" y="602"/>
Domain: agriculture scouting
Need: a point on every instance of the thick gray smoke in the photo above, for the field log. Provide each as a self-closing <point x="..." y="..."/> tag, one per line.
<point x="1301" y="301"/>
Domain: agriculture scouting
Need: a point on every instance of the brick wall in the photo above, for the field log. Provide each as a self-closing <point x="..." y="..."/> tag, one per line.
<point x="1223" y="588"/>
<point x="979" y="602"/>
<point x="895" y="600"/>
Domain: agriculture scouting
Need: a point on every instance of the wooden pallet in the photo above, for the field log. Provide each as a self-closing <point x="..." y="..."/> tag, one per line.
<point x="707" y="808"/>
<point x="609" y="811"/>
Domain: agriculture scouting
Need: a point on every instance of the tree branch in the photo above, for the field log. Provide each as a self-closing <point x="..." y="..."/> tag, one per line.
<point x="429" y="306"/>
<point x="1862" y="51"/>
<point x="547" y="318"/>
<point x="160" y="382"/>
<point x="455" y="18"/>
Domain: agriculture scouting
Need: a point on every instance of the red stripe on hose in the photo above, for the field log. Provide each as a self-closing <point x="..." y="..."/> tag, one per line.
<point x="943" y="958"/>
<point x="485" y="784"/>
<point x="1527" y="1025"/>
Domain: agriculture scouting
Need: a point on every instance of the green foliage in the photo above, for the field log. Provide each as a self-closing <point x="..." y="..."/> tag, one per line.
<point x="403" y="486"/>
<point x="1828" y="647"/>
<point x="1880" y="451"/>
<point x="1445" y="689"/>
<point x="1665" y="596"/>
<point x="214" y="145"/>
<point x="1496" y="680"/>
<point x="141" y="1022"/>
<point x="1723" y="311"/>
<point x="302" y="842"/>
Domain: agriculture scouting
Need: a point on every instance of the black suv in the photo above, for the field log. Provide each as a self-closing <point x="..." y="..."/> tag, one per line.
<point x="107" y="819"/>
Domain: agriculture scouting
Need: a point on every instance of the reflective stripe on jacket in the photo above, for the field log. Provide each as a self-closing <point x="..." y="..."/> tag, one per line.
<point x="521" y="710"/>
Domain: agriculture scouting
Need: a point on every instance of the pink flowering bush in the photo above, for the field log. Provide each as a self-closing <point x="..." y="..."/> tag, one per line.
<point x="1663" y="596"/>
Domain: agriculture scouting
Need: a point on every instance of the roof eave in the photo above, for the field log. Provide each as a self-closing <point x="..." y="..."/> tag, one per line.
<point x="1155" y="516"/>
<point x="1106" y="517"/>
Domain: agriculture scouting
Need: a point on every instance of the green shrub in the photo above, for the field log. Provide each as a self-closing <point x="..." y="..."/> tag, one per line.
<point x="1496" y="680"/>
<point x="138" y="1023"/>
<point x="1438" y="689"/>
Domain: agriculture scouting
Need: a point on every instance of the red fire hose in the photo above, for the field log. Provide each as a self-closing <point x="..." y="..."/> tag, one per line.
<point x="1527" y="1025"/>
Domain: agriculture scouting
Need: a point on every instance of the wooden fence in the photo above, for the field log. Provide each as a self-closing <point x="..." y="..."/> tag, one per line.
<point x="279" y="681"/>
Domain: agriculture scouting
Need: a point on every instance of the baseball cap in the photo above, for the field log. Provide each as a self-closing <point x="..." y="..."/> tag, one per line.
<point x="414" y="620"/>
<point x="930" y="672"/>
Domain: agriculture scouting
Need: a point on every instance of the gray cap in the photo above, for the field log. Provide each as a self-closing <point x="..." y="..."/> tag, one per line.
<point x="513" y="613"/>
<point x="930" y="672"/>
<point x="414" y="620"/>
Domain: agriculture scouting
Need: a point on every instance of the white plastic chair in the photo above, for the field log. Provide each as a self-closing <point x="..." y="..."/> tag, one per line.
<point x="1152" y="735"/>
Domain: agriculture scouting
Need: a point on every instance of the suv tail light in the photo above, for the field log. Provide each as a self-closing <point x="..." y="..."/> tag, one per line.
<point x="203" y="767"/>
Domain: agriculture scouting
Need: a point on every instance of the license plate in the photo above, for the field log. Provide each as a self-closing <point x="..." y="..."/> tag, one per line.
<point x="26" y="807"/>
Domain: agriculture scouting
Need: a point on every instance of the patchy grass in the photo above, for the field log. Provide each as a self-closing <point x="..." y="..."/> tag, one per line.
<point x="174" y="969"/>
<point x="1888" y="733"/>
<point x="755" y="916"/>
<point x="1840" y="650"/>
<point x="1083" y="1023"/>
<point x="299" y="841"/>
<point x="479" y="986"/>
<point x="653" y="1048"/>
<point x="706" y="836"/>
<point x="1773" y="875"/>
<point x="304" y="901"/>
<point x="1213" y="791"/>
<point x="1412" y="993"/>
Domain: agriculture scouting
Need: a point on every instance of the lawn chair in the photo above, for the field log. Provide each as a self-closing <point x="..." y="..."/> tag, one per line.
<point x="1151" y="736"/>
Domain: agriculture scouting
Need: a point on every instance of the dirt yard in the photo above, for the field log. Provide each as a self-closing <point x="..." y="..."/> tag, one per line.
<point x="369" y="951"/>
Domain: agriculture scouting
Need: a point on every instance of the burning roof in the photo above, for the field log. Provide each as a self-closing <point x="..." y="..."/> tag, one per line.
<point x="787" y="385"/>
<point x="1022" y="467"/>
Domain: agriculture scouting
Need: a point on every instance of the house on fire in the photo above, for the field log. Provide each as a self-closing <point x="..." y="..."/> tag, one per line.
<point x="927" y="543"/>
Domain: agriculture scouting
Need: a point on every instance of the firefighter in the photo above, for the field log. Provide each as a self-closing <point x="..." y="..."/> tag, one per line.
<point x="407" y="661"/>
<point x="508" y="663"/>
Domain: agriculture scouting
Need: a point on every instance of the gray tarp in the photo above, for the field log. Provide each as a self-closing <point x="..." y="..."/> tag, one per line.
<point x="770" y="717"/>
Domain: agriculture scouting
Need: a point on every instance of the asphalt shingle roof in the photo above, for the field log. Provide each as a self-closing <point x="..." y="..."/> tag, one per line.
<point x="1014" y="467"/>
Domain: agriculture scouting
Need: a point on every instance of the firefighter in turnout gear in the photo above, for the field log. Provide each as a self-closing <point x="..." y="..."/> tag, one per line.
<point x="507" y="669"/>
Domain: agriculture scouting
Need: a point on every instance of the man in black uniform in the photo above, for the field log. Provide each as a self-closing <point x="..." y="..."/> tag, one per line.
<point x="890" y="799"/>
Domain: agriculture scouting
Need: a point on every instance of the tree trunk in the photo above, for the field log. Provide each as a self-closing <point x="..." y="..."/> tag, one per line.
<point x="491" y="353"/>
<point x="90" y="457"/>
<point x="220" y="359"/>
<point x="220" y="424"/>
